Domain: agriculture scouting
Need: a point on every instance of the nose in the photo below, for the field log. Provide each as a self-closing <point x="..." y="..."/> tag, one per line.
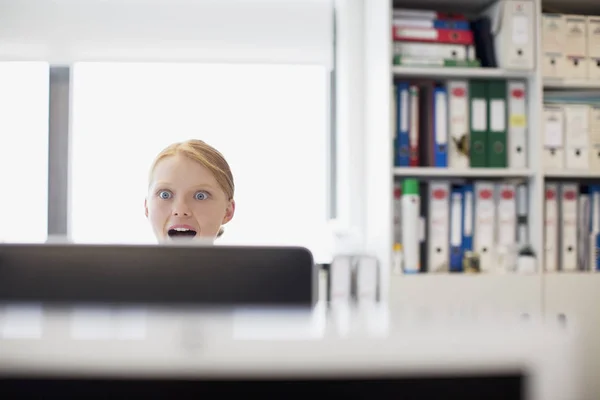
<point x="180" y="209"/>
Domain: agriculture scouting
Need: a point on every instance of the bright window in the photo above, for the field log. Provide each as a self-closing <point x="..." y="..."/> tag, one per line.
<point x="269" y="121"/>
<point x="24" y="99"/>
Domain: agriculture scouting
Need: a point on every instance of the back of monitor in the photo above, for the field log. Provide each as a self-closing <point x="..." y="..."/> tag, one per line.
<point x="177" y="275"/>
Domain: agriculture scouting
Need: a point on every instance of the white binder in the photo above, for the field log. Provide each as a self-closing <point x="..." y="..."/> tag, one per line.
<point x="485" y="221"/>
<point x="551" y="261"/>
<point x="506" y="224"/>
<point x="593" y="47"/>
<point x="553" y="38"/>
<point x="522" y="215"/>
<point x="553" y="33"/>
<point x="577" y="134"/>
<point x="568" y="223"/>
<point x="553" y="65"/>
<point x="513" y="28"/>
<point x="458" y="110"/>
<point x="594" y="138"/>
<point x="553" y="137"/>
<point x="439" y="227"/>
<point x="517" y="124"/>
<point x="575" y="47"/>
<point x="433" y="50"/>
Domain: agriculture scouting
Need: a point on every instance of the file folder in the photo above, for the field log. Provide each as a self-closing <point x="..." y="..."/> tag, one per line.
<point x="593" y="47"/>
<point x="440" y="51"/>
<point x="403" y="124"/>
<point x="553" y="137"/>
<point x="551" y="228"/>
<point x="468" y="212"/>
<point x="478" y="114"/>
<point x="439" y="226"/>
<point x="594" y="191"/>
<point x="496" y="152"/>
<point x="432" y="35"/>
<point x="513" y="28"/>
<point x="577" y="117"/>
<point x="458" y="108"/>
<point x="575" y="48"/>
<point x="506" y="249"/>
<point x="485" y="222"/>
<point x="594" y="141"/>
<point x="440" y="134"/>
<point x="522" y="218"/>
<point x="414" y="126"/>
<point x="517" y="124"/>
<point x="568" y="223"/>
<point x="583" y="230"/>
<point x="553" y="42"/>
<point x="456" y="231"/>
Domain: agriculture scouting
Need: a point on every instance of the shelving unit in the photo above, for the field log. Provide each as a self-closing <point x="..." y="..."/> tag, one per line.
<point x="449" y="72"/>
<point x="574" y="296"/>
<point x="571" y="84"/>
<point x="566" y="174"/>
<point x="463" y="173"/>
<point x="460" y="294"/>
<point x="379" y="125"/>
<point x="543" y="294"/>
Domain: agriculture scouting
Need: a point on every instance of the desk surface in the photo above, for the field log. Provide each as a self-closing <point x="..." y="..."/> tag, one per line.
<point x="156" y="342"/>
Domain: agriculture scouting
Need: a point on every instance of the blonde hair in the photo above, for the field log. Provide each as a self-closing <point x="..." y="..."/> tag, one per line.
<point x="208" y="156"/>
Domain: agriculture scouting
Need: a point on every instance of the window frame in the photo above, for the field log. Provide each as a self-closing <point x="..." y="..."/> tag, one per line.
<point x="342" y="178"/>
<point x="60" y="150"/>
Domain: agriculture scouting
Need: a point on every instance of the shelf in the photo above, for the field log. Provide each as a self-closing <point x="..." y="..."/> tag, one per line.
<point x="574" y="84"/>
<point x="447" y="277"/>
<point x="468" y="6"/>
<point x="571" y="273"/>
<point x="450" y="72"/>
<point x="463" y="173"/>
<point x="444" y="292"/>
<point x="570" y="283"/>
<point x="582" y="7"/>
<point x="582" y="174"/>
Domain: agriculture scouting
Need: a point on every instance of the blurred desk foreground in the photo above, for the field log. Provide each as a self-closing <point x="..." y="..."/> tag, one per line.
<point x="335" y="342"/>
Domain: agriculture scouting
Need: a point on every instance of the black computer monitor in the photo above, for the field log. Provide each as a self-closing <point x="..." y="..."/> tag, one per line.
<point x="150" y="275"/>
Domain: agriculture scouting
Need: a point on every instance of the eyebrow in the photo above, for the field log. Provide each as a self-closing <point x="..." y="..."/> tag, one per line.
<point x="200" y="186"/>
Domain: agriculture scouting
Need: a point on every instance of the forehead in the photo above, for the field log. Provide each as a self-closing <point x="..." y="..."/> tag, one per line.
<point x="179" y="169"/>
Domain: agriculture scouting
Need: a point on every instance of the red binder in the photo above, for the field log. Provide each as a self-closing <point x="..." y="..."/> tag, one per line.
<point x="453" y="36"/>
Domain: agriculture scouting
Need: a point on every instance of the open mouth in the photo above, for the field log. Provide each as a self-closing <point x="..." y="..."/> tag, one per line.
<point x="181" y="233"/>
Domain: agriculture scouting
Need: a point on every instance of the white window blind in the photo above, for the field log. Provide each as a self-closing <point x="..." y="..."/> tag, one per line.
<point x="24" y="101"/>
<point x="251" y="31"/>
<point x="269" y="121"/>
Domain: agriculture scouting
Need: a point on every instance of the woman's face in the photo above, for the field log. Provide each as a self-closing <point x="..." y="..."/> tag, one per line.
<point x="185" y="201"/>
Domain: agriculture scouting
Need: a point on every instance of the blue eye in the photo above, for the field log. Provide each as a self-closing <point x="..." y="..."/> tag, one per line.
<point x="164" y="194"/>
<point x="201" y="196"/>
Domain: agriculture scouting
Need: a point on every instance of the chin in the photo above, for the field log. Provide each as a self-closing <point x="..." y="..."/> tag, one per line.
<point x="194" y="241"/>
